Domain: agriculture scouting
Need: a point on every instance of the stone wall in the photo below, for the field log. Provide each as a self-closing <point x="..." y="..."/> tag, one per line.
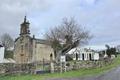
<point x="45" y="66"/>
<point x="43" y="51"/>
<point x="87" y="64"/>
<point x="75" y="65"/>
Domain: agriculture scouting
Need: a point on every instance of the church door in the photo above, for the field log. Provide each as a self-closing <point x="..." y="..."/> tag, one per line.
<point x="83" y="56"/>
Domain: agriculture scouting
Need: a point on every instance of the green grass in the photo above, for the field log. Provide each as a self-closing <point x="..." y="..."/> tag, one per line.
<point x="77" y="73"/>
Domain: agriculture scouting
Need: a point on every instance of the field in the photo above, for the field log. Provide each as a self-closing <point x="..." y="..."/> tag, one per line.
<point x="77" y="73"/>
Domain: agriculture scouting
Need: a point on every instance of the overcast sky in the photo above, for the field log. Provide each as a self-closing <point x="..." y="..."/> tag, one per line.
<point x="101" y="17"/>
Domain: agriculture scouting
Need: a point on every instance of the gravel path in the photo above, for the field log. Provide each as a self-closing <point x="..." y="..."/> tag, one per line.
<point x="114" y="74"/>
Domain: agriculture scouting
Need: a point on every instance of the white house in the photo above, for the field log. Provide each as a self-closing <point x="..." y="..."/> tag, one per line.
<point x="2" y="59"/>
<point x="118" y="48"/>
<point x="83" y="54"/>
<point x="1" y="54"/>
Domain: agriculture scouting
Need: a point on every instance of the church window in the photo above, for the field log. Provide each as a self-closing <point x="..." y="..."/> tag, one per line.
<point x="21" y="48"/>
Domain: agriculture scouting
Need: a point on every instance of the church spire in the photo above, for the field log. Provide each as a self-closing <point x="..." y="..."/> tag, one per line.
<point x="25" y="27"/>
<point x="24" y="19"/>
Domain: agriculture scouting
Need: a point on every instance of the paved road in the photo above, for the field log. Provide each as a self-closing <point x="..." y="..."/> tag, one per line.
<point x="111" y="75"/>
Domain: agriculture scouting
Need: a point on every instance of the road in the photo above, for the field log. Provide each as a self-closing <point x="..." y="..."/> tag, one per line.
<point x="114" y="74"/>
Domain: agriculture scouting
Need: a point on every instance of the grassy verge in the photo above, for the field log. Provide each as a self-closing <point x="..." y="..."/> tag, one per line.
<point x="78" y="73"/>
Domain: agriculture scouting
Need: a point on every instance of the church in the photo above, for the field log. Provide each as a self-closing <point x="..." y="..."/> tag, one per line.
<point x="28" y="49"/>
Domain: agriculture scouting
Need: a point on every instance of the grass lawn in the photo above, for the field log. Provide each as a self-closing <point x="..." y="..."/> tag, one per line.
<point x="77" y="73"/>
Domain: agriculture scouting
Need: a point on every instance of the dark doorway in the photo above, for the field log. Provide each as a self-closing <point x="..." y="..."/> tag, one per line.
<point x="90" y="56"/>
<point x="76" y="56"/>
<point x="83" y="56"/>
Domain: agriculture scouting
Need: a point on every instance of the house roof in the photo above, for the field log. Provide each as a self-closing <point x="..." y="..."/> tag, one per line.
<point x="1" y="46"/>
<point x="71" y="51"/>
<point x="80" y="49"/>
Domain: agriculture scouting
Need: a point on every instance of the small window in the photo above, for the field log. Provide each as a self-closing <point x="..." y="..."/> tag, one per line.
<point x="22" y="48"/>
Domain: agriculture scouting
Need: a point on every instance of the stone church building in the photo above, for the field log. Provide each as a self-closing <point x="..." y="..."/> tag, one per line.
<point x="29" y="49"/>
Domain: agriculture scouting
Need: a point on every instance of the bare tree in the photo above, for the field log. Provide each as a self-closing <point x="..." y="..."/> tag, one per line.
<point x="7" y="41"/>
<point x="67" y="36"/>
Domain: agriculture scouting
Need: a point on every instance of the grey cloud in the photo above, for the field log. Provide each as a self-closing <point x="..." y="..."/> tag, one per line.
<point x="13" y="11"/>
<point x="102" y="17"/>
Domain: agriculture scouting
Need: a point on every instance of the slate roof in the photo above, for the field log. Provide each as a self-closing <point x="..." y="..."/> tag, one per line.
<point x="39" y="41"/>
<point x="1" y="46"/>
<point x="42" y="41"/>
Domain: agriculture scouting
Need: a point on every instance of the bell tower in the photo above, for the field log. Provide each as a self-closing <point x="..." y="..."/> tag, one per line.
<point x="23" y="45"/>
<point x="24" y="30"/>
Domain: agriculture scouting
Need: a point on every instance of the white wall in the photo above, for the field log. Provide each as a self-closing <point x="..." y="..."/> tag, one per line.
<point x="1" y="54"/>
<point x="96" y="56"/>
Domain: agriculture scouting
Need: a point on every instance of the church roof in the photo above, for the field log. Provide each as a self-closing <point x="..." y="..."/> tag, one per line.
<point x="42" y="41"/>
<point x="1" y="45"/>
<point x="39" y="41"/>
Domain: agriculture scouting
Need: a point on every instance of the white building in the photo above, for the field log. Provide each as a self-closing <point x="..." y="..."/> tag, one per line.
<point x="2" y="59"/>
<point x="83" y="54"/>
<point x="118" y="48"/>
<point x="1" y="54"/>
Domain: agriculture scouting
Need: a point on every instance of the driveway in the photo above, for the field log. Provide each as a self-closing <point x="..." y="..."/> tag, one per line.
<point x="114" y="74"/>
